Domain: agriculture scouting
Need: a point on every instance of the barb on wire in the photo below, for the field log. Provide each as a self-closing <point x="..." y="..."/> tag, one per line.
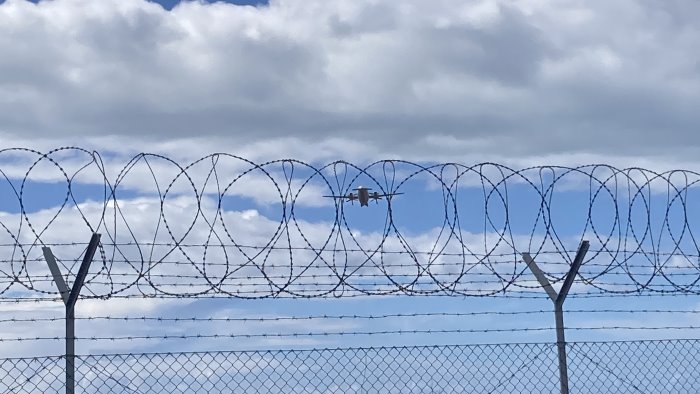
<point x="327" y="334"/>
<point x="223" y="225"/>
<point x="261" y="319"/>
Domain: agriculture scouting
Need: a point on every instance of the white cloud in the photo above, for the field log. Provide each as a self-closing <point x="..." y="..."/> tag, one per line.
<point x="356" y="79"/>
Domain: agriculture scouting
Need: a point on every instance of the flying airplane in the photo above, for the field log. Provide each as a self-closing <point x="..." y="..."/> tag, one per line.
<point x="363" y="195"/>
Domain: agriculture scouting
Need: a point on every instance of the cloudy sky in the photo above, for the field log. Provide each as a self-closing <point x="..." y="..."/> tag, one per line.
<point x="530" y="80"/>
<point x="519" y="83"/>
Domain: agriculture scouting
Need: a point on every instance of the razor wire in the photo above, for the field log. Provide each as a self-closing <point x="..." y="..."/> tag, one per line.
<point x="222" y="225"/>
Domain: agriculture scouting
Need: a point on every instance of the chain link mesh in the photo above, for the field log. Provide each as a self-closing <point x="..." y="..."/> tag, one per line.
<point x="668" y="366"/>
<point x="32" y="375"/>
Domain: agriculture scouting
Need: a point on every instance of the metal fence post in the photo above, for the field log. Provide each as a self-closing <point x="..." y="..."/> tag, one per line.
<point x="70" y="297"/>
<point x="558" y="300"/>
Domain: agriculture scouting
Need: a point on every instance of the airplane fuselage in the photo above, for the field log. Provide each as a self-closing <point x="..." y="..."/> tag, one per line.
<point x="363" y="196"/>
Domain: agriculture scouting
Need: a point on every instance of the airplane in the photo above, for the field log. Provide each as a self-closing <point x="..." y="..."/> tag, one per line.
<point x="363" y="195"/>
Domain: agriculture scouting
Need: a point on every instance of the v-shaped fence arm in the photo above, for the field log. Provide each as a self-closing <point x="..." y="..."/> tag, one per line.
<point x="70" y="297"/>
<point x="558" y="300"/>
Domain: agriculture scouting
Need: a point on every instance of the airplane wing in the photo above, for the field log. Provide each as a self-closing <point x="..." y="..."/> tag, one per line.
<point x="336" y="196"/>
<point x="378" y="196"/>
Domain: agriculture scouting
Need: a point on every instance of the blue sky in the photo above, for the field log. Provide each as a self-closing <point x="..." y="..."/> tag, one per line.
<point x="519" y="84"/>
<point x="169" y="4"/>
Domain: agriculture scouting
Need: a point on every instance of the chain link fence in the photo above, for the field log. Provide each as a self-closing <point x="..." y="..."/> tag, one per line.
<point x="667" y="366"/>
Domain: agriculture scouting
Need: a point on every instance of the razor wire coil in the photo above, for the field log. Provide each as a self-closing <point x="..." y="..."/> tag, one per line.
<point x="222" y="225"/>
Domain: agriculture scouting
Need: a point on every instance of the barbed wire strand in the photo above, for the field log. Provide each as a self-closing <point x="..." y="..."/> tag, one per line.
<point x="345" y="333"/>
<point x="262" y="319"/>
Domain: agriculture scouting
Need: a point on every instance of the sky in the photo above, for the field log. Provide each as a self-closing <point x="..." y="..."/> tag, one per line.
<point x="522" y="83"/>
<point x="169" y="4"/>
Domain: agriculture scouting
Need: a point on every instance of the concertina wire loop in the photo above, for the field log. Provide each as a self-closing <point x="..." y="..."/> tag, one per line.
<point x="222" y="225"/>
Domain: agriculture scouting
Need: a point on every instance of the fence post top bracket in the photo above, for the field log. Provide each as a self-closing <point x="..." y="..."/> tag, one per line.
<point x="558" y="298"/>
<point x="70" y="295"/>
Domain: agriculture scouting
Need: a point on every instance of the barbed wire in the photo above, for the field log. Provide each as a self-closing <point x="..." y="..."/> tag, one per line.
<point x="222" y="225"/>
<point x="531" y="295"/>
<point x="305" y="334"/>
<point x="185" y="319"/>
